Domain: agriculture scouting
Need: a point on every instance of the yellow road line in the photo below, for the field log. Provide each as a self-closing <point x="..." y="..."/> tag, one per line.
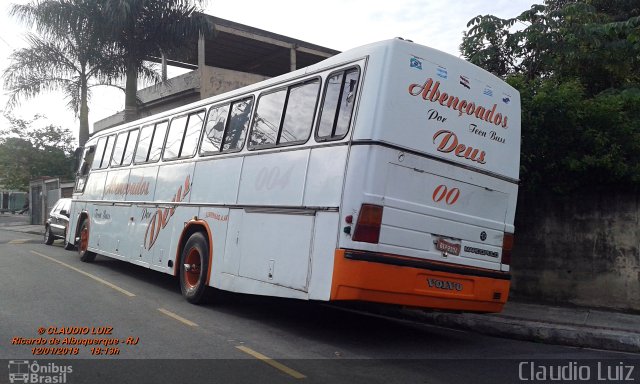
<point x="96" y="278"/>
<point x="291" y="372"/>
<point x="18" y="241"/>
<point x="178" y="317"/>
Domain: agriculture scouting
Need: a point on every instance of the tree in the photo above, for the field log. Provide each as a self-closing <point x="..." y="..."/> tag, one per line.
<point x="577" y="67"/>
<point x="85" y="43"/>
<point x="69" y="56"/>
<point x="28" y="152"/>
<point x="146" y="28"/>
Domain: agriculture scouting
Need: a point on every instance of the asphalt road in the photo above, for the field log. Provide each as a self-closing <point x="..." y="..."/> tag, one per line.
<point x="238" y="338"/>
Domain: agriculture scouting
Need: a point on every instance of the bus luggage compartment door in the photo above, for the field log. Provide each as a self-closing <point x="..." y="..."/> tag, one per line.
<point x="276" y="246"/>
<point x="436" y="217"/>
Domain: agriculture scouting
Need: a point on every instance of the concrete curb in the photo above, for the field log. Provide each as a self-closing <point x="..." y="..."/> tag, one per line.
<point x="30" y="231"/>
<point x="549" y="333"/>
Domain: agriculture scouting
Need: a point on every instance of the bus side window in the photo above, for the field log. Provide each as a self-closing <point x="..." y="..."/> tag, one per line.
<point x="337" y="106"/>
<point x="131" y="145"/>
<point x="108" y="149"/>
<point x="118" y="150"/>
<point x="144" y="143"/>
<point x="266" y="122"/>
<point x="216" y="122"/>
<point x="103" y="152"/>
<point x="238" y="125"/>
<point x="174" y="139"/>
<point x="184" y="133"/>
<point x="301" y="109"/>
<point x="87" y="160"/>
<point x="192" y="135"/>
<point x="157" y="141"/>
<point x="285" y="116"/>
<point x="97" y="158"/>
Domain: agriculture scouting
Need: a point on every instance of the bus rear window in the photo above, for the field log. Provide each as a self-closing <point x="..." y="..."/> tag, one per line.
<point x="337" y="106"/>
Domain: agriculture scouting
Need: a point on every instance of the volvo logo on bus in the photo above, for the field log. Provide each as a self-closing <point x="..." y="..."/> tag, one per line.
<point x="444" y="284"/>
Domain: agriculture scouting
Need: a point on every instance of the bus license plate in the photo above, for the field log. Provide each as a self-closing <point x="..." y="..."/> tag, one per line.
<point x="448" y="247"/>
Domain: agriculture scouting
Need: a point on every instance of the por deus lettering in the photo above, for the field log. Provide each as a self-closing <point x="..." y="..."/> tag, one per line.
<point x="161" y="217"/>
<point x="431" y="92"/>
<point x="447" y="142"/>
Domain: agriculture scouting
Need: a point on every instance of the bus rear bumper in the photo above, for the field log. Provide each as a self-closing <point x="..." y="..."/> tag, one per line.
<point x="382" y="278"/>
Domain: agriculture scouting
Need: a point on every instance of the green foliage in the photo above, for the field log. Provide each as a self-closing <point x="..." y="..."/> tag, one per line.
<point x="577" y="67"/>
<point x="28" y="152"/>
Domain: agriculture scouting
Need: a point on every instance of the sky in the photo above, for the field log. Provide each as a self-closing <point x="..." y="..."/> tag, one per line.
<point x="336" y="24"/>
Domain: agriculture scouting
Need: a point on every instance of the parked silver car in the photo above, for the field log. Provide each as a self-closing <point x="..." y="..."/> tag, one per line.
<point x="57" y="223"/>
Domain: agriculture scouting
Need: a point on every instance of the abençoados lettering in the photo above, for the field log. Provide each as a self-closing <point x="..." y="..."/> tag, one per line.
<point x="430" y="91"/>
<point x="447" y="141"/>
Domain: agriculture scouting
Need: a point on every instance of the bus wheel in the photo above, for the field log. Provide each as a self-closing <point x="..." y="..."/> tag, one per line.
<point x="194" y="265"/>
<point x="48" y="236"/>
<point x="67" y="245"/>
<point x="85" y="255"/>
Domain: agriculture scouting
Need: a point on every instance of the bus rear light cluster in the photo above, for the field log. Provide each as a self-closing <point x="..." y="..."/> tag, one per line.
<point x="368" y="226"/>
<point x="507" y="246"/>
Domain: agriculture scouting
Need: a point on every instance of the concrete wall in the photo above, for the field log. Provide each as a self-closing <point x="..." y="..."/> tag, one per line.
<point x="583" y="250"/>
<point x="218" y="80"/>
<point x="184" y="89"/>
<point x="186" y="82"/>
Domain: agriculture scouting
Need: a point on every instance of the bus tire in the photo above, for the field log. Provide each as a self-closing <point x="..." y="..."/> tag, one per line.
<point x="67" y="245"/>
<point x="194" y="266"/>
<point x="48" y="236"/>
<point x="85" y="255"/>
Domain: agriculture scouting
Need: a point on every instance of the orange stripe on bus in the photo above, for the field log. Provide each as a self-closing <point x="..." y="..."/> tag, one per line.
<point x="415" y="287"/>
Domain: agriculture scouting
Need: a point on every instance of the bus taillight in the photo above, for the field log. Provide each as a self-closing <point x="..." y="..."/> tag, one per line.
<point x="507" y="246"/>
<point x="368" y="226"/>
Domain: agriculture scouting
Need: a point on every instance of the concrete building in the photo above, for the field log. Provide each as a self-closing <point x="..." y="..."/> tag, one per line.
<point x="238" y="55"/>
<point x="43" y="194"/>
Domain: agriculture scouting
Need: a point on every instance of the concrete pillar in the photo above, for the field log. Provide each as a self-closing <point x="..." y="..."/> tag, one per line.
<point x="293" y="58"/>
<point x="163" y="59"/>
<point x="201" y="62"/>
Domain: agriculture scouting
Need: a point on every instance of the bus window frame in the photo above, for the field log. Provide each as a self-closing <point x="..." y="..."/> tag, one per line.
<point x="124" y="151"/>
<point x="321" y="139"/>
<point x="153" y="124"/>
<point x="201" y="153"/>
<point x="184" y="133"/>
<point x="286" y="87"/>
<point x="107" y="137"/>
<point x="98" y="142"/>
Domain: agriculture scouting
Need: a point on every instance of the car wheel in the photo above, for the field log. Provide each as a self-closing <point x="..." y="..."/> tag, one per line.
<point x="48" y="236"/>
<point x="85" y="255"/>
<point x="194" y="266"/>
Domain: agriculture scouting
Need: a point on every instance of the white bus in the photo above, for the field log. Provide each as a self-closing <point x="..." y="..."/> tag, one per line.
<point x="387" y="173"/>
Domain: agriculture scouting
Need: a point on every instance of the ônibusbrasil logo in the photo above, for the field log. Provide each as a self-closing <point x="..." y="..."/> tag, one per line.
<point x="24" y="371"/>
